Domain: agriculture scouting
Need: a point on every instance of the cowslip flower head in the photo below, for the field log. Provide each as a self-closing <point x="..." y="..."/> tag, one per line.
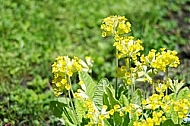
<point x="115" y="25"/>
<point x="63" y="68"/>
<point x="165" y="59"/>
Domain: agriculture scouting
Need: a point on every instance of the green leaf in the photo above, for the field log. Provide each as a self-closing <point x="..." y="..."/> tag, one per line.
<point x="123" y="100"/>
<point x="169" y="122"/>
<point x="57" y="108"/>
<point x="106" y="123"/>
<point x="84" y="122"/>
<point x="68" y="117"/>
<point x="173" y="116"/>
<point x="120" y="91"/>
<point x="80" y="109"/>
<point x="183" y="93"/>
<point x="139" y="93"/>
<point x="89" y="83"/>
<point x="62" y="110"/>
<point x="136" y="97"/>
<point x="112" y="100"/>
<point x="98" y="95"/>
<point x="126" y="119"/>
<point x="106" y="101"/>
<point x="117" y="119"/>
<point x="133" y="119"/>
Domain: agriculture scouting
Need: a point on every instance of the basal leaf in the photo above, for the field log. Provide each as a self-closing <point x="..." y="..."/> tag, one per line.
<point x="98" y="95"/>
<point x="132" y="120"/>
<point x="136" y="97"/>
<point x="106" y="123"/>
<point x="126" y="120"/>
<point x="168" y="122"/>
<point x="68" y="117"/>
<point x="183" y="93"/>
<point x="80" y="109"/>
<point x="117" y="119"/>
<point x="89" y="83"/>
<point x="106" y="101"/>
<point x="57" y="108"/>
<point x="174" y="116"/>
<point x="123" y="100"/>
<point x="113" y="101"/>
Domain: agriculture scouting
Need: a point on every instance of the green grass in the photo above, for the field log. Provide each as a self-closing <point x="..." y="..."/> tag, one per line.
<point x="33" y="33"/>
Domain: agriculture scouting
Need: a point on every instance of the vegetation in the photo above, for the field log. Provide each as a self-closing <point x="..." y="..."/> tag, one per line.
<point x="103" y="104"/>
<point x="33" y="33"/>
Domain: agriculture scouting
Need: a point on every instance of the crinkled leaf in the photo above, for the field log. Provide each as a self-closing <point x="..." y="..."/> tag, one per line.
<point x="80" y="109"/>
<point x="136" y="97"/>
<point x="89" y="83"/>
<point x="133" y="119"/>
<point x="69" y="117"/>
<point x="57" y="108"/>
<point x="106" y="101"/>
<point x="123" y="100"/>
<point x="183" y="93"/>
<point x="112" y="100"/>
<point x="173" y="116"/>
<point x="120" y="91"/>
<point x="98" y="95"/>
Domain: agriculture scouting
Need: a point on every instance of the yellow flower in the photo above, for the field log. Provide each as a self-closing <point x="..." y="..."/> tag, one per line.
<point x="100" y="124"/>
<point x="121" y="114"/>
<point x="111" y="112"/>
<point x="88" y="115"/>
<point x="180" y="115"/>
<point x="67" y="87"/>
<point x="144" y="102"/>
<point x="116" y="107"/>
<point x="101" y="117"/>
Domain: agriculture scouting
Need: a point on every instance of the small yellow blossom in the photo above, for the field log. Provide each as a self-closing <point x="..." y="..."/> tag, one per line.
<point x="101" y="117"/>
<point x="121" y="114"/>
<point x="116" y="107"/>
<point x="67" y="87"/>
<point x="111" y="112"/>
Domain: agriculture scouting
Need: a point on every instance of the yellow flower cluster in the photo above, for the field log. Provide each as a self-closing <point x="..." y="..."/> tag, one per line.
<point x="127" y="47"/>
<point x="181" y="107"/>
<point x="133" y="109"/>
<point x="91" y="109"/>
<point x="63" y="68"/>
<point x="161" y="87"/>
<point x="156" y="119"/>
<point x="161" y="104"/>
<point x="115" y="25"/>
<point x="153" y="102"/>
<point x="161" y="60"/>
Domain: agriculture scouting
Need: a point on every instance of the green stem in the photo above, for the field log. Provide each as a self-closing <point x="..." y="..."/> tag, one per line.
<point x="116" y="83"/>
<point x="166" y="79"/>
<point x="145" y="92"/>
<point x="153" y="87"/>
<point x="72" y="104"/>
<point x="132" y="90"/>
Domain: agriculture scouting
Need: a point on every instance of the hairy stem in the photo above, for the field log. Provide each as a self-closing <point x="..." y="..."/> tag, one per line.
<point x="72" y="104"/>
<point x="116" y="83"/>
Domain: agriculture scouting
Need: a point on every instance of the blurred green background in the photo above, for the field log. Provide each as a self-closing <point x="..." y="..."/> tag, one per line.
<point x="33" y="33"/>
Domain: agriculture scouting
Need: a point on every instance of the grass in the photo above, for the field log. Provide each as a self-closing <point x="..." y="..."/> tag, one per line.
<point x="33" y="33"/>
